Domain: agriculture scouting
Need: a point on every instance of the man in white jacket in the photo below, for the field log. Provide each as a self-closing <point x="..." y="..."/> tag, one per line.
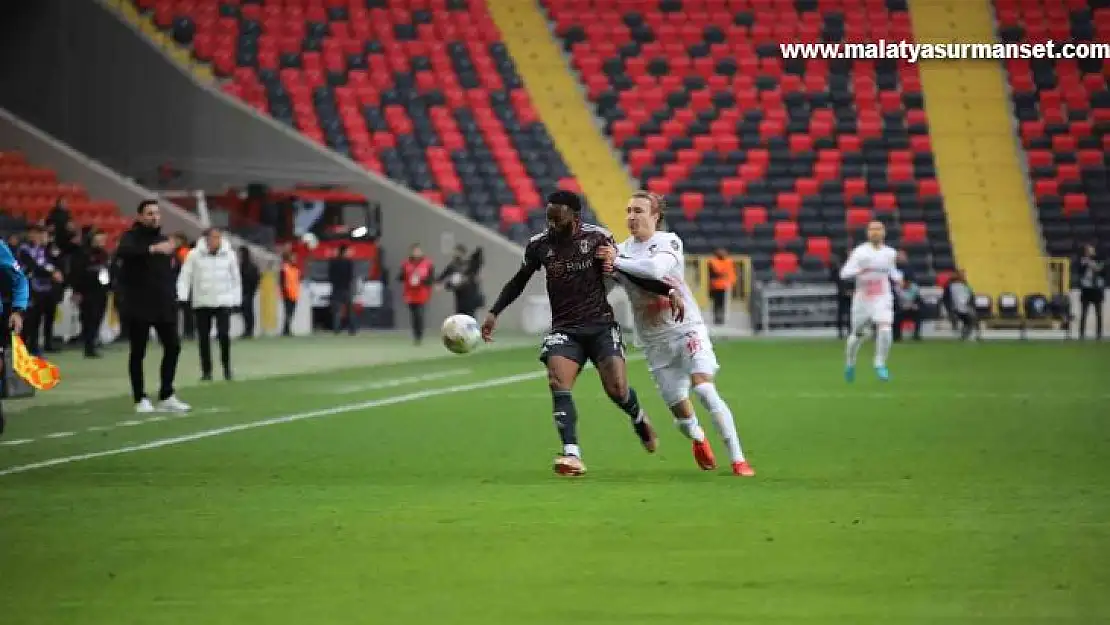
<point x="210" y="276"/>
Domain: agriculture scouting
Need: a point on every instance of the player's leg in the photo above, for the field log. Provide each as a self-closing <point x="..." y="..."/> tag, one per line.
<point x="860" y="323"/>
<point x="884" y="339"/>
<point x="701" y="363"/>
<point x="673" y="383"/>
<point x="606" y="350"/>
<point x="563" y="357"/>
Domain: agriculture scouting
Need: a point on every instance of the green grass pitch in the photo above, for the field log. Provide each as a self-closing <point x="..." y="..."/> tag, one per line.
<point x="970" y="489"/>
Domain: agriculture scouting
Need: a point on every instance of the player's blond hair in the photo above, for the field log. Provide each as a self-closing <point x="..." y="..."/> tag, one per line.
<point x="658" y="204"/>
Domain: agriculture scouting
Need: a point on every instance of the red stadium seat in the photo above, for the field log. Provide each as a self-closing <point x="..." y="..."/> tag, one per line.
<point x="913" y="232"/>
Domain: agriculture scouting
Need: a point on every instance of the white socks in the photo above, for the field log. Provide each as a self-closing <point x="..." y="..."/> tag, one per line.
<point x="854" y="342"/>
<point x="884" y="338"/>
<point x="690" y="428"/>
<point x="722" y="418"/>
<point x="572" y="450"/>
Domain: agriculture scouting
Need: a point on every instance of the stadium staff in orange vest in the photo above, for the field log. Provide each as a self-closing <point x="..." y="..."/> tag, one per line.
<point x="290" y="289"/>
<point x="722" y="277"/>
<point x="417" y="275"/>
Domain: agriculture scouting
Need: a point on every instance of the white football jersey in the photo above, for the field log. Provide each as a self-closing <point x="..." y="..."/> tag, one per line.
<point x="652" y="313"/>
<point x="873" y="268"/>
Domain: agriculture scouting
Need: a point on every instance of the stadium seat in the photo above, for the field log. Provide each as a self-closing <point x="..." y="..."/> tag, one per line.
<point x="797" y="150"/>
<point x="1009" y="307"/>
<point x="424" y="93"/>
<point x="1062" y="108"/>
<point x="984" y="306"/>
<point x="29" y="193"/>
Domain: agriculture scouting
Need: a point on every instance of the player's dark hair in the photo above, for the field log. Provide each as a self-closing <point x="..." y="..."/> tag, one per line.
<point x="566" y="198"/>
<point x="144" y="204"/>
<point x="658" y="204"/>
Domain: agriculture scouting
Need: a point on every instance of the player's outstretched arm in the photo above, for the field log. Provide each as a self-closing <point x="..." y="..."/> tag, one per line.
<point x="512" y="290"/>
<point x="648" y="284"/>
<point x="654" y="267"/>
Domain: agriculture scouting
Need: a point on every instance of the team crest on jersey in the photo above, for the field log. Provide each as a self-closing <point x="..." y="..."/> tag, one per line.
<point x="584" y="246"/>
<point x="651" y="248"/>
<point x="674" y="244"/>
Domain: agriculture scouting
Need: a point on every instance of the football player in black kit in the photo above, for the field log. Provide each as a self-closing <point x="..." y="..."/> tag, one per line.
<point x="583" y="326"/>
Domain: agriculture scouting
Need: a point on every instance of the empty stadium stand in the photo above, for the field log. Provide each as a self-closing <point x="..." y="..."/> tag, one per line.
<point x="784" y="160"/>
<point x="29" y="193"/>
<point x="1063" y="112"/>
<point x="423" y="91"/>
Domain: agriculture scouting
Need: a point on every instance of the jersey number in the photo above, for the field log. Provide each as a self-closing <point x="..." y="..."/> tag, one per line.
<point x="693" y="343"/>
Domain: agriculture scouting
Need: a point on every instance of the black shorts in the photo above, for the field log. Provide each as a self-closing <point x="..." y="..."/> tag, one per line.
<point x="596" y="345"/>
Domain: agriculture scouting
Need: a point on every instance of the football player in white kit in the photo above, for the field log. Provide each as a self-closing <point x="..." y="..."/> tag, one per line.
<point x="873" y="265"/>
<point x="679" y="352"/>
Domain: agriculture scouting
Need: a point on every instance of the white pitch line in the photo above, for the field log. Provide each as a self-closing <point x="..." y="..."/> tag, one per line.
<point x="17" y="441"/>
<point x="415" y="379"/>
<point x="300" y="416"/>
<point x="60" y="434"/>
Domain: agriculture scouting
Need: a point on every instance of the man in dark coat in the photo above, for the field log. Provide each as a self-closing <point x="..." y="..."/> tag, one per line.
<point x="461" y="277"/>
<point x="250" y="277"/>
<point x="344" y="286"/>
<point x="149" y="300"/>
<point x="90" y="280"/>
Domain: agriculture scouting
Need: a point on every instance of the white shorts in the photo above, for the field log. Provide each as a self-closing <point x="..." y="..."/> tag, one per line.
<point x="673" y="359"/>
<point x="877" y="312"/>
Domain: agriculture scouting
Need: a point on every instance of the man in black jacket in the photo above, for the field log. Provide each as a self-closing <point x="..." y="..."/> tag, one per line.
<point x="250" y="277"/>
<point x="1092" y="287"/>
<point x="461" y="277"/>
<point x="341" y="275"/>
<point x="148" y="295"/>
<point x="90" y="280"/>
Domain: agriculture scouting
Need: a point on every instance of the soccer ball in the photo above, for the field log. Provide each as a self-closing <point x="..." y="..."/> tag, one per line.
<point x="310" y="240"/>
<point x="461" y="334"/>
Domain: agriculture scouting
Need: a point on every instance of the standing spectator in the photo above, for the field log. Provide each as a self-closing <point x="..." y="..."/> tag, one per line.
<point x="417" y="277"/>
<point x="59" y="218"/>
<point x="18" y="298"/>
<point x="959" y="300"/>
<point x="1092" y="288"/>
<point x="251" y="277"/>
<point x="909" y="309"/>
<point x="722" y="278"/>
<point x="90" y="281"/>
<point x="148" y="298"/>
<point x="60" y="247"/>
<point x="844" y="290"/>
<point x="36" y="259"/>
<point x="341" y="275"/>
<point x="460" y="276"/>
<point x="210" y="279"/>
<point x="290" y="289"/>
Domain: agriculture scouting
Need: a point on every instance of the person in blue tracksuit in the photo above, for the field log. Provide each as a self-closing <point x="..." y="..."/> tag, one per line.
<point x="16" y="299"/>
